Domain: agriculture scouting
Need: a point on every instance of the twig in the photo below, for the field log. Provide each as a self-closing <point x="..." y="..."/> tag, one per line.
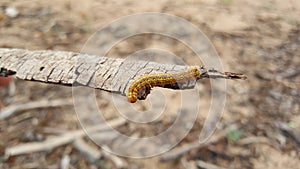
<point x="12" y="109"/>
<point x="65" y="162"/>
<point x="215" y="74"/>
<point x="206" y="165"/>
<point x="119" y="163"/>
<point x="56" y="141"/>
<point x="293" y="133"/>
<point x="53" y="131"/>
<point x="253" y="139"/>
<point x="188" y="164"/>
<point x="232" y="151"/>
<point x="92" y="153"/>
<point x="177" y="152"/>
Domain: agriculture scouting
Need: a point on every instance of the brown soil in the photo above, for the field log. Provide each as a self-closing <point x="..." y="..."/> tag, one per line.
<point x="258" y="38"/>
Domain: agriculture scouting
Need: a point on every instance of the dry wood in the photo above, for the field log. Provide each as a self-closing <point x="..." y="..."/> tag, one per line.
<point x="92" y="153"/>
<point x="65" y="162"/>
<point x="206" y="165"/>
<point x="12" y="109"/>
<point x="188" y="164"/>
<point x="119" y="163"/>
<point x="293" y="133"/>
<point x="253" y="140"/>
<point x="56" y="141"/>
<point x="69" y="68"/>
<point x="178" y="152"/>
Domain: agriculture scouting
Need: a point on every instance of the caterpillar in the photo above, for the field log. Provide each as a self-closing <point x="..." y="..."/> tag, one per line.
<point x="147" y="82"/>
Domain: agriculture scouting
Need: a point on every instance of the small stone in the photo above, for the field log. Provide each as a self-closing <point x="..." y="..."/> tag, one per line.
<point x="11" y="12"/>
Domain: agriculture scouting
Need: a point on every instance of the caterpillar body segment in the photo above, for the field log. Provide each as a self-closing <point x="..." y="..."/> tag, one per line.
<point x="160" y="80"/>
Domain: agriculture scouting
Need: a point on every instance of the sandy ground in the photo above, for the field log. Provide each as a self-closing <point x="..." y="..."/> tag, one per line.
<point x="258" y="38"/>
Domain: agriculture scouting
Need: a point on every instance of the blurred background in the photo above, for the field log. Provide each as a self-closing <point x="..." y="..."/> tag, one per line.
<point x="260" y="125"/>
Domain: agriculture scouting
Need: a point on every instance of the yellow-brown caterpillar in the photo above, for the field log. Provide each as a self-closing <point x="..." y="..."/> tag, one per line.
<point x="160" y="80"/>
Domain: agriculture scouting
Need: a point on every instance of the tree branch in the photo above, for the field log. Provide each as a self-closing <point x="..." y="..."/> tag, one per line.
<point x="69" y="68"/>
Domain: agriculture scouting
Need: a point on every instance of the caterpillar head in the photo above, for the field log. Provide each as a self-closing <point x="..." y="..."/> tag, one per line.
<point x="132" y="97"/>
<point x="195" y="72"/>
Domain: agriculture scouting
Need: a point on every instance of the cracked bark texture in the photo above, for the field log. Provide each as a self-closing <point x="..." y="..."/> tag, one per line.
<point x="69" y="68"/>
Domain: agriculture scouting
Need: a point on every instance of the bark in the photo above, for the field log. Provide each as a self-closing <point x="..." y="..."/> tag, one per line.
<point x="69" y="68"/>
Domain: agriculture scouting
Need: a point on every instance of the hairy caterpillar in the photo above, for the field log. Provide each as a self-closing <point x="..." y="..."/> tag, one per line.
<point x="160" y="80"/>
